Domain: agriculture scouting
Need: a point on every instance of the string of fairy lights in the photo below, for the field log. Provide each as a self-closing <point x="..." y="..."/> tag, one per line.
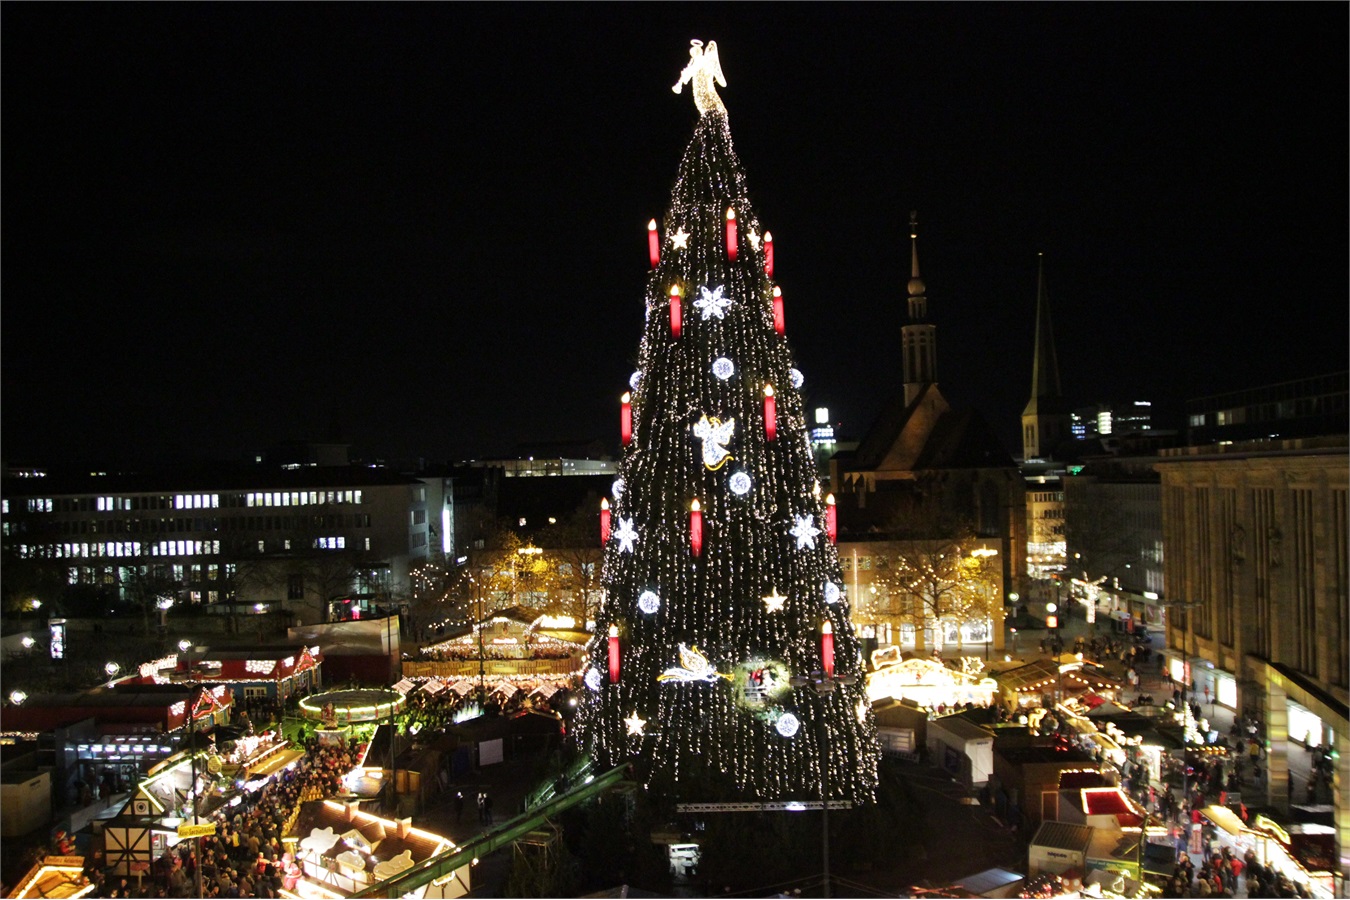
<point x="711" y="607"/>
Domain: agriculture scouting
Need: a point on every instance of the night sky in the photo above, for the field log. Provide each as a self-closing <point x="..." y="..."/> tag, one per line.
<point x="226" y="225"/>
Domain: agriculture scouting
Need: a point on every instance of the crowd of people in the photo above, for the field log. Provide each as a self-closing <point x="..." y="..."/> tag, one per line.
<point x="245" y="857"/>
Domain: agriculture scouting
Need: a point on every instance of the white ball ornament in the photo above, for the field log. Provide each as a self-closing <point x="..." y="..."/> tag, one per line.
<point x="723" y="368"/>
<point x="740" y="484"/>
<point x="832" y="592"/>
<point x="787" y="724"/>
<point x="617" y="487"/>
<point x="634" y="380"/>
<point x="648" y="602"/>
<point x="592" y="679"/>
<point x="795" y="377"/>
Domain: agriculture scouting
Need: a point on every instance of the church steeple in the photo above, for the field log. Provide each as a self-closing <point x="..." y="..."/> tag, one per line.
<point x="919" y="337"/>
<point x="1045" y="421"/>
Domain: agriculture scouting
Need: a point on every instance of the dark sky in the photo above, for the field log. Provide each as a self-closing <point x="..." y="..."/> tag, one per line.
<point x="229" y="224"/>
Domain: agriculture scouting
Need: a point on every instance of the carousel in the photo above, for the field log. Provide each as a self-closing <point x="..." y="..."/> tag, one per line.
<point x="928" y="682"/>
<point x="352" y="707"/>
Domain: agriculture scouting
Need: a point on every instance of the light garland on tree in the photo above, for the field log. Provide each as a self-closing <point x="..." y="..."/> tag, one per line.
<point x="712" y="614"/>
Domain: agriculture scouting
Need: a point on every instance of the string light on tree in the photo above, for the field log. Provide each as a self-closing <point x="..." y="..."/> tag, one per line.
<point x="719" y="711"/>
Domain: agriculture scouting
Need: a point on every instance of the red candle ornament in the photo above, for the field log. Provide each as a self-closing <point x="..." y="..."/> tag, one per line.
<point x="653" y="243"/>
<point x="768" y="254"/>
<point x="732" y="246"/>
<point x="831" y="519"/>
<point x="675" y="310"/>
<point x="626" y="418"/>
<point x="696" y="528"/>
<point x="778" y="309"/>
<point x="827" y="648"/>
<point x="614" y="654"/>
<point x="604" y="520"/>
<point x="770" y="413"/>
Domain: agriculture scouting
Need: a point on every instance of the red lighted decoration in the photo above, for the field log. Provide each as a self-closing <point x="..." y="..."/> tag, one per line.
<point x="768" y="254"/>
<point x="778" y="309"/>
<point x="831" y="519"/>
<point x="614" y="654"/>
<point x="770" y="413"/>
<point x="675" y="311"/>
<point x="827" y="648"/>
<point x="626" y="418"/>
<point x="604" y="520"/>
<point x="696" y="528"/>
<point x="653" y="243"/>
<point x="732" y="244"/>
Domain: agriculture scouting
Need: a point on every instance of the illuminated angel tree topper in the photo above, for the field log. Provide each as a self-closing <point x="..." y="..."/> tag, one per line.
<point x="710" y="668"/>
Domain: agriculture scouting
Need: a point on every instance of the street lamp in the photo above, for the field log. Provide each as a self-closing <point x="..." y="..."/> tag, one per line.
<point x="17" y="697"/>
<point x="825" y="684"/>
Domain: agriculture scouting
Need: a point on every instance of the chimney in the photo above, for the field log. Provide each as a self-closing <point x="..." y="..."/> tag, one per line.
<point x="404" y="826"/>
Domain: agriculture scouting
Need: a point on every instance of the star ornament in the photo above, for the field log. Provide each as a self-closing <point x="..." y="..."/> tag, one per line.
<point x="680" y="240"/>
<point x="753" y="237"/>
<point x="774" y="602"/>
<point x="625" y="534"/>
<point x="712" y="303"/>
<point x="805" y="532"/>
<point x="635" y="724"/>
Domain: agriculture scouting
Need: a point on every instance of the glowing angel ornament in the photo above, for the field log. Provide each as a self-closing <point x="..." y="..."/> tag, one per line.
<point x="694" y="667"/>
<point x="715" y="435"/>
<point x="703" y="69"/>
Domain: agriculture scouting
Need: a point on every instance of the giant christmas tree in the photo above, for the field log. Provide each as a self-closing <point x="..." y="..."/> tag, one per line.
<point x="723" y="585"/>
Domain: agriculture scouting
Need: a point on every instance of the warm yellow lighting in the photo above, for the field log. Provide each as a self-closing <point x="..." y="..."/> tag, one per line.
<point x="680" y="240"/>
<point x="774" y="602"/>
<point x="626" y="398"/>
<point x="829" y="499"/>
<point x="777" y="292"/>
<point x="731" y="214"/>
<point x="651" y="226"/>
<point x="614" y="631"/>
<point x="694" y="505"/>
<point x="768" y="390"/>
<point x="635" y="724"/>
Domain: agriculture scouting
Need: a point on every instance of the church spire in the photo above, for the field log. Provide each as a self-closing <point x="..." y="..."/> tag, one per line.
<point x="1045" y="421"/>
<point x="1044" y="365"/>
<point x="919" y="337"/>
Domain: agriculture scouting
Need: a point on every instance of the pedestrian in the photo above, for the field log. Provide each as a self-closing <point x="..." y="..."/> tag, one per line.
<point x="487" y="808"/>
<point x="459" y="805"/>
<point x="482" y="809"/>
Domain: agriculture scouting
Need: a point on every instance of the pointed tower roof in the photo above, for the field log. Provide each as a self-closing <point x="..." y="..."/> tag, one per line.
<point x="1044" y="365"/>
<point x="916" y="286"/>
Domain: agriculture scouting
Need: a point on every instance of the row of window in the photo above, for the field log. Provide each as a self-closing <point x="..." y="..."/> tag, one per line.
<point x="195" y="524"/>
<point x="118" y="549"/>
<point x="189" y="501"/>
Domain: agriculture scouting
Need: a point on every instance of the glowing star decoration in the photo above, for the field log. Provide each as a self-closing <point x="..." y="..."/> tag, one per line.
<point x="774" y="602"/>
<point x="703" y="69"/>
<point x="625" y="534"/>
<point x="712" y="303"/>
<point x="635" y="724"/>
<point x="861" y="710"/>
<point x="592" y="679"/>
<point x="787" y="724"/>
<point x="805" y="532"/>
<point x="723" y="368"/>
<point x="694" y="666"/>
<point x="832" y="592"/>
<point x="796" y="379"/>
<point x="740" y="484"/>
<point x="649" y="602"/>
<point x="753" y="238"/>
<point x="715" y="435"/>
<point x="680" y="240"/>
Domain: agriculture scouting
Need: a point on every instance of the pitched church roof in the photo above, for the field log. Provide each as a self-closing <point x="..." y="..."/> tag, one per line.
<point x="928" y="434"/>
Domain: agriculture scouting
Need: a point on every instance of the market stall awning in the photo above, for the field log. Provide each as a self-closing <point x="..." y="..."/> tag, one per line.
<point x="1224" y="818"/>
